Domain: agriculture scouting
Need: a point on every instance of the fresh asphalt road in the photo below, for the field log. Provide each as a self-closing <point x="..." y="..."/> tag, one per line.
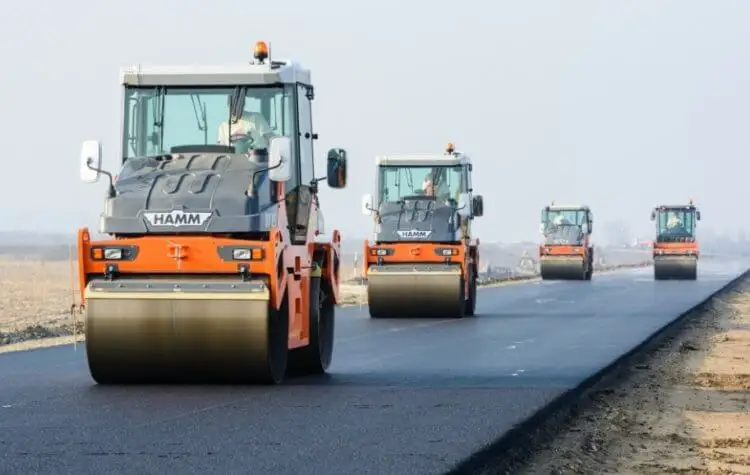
<point x="403" y="396"/>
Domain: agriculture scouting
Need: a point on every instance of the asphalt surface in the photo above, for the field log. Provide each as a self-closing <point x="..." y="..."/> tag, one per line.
<point x="403" y="397"/>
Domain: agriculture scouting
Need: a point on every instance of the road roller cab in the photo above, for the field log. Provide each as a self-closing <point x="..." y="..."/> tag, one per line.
<point x="216" y="268"/>
<point x="423" y="262"/>
<point x="566" y="253"/>
<point x="675" y="249"/>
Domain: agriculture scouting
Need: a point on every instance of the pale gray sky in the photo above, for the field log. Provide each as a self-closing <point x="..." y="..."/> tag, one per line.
<point x="618" y="104"/>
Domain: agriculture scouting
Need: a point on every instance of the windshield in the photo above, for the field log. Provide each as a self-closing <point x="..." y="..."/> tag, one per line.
<point x="397" y="182"/>
<point x="675" y="222"/>
<point x="564" y="226"/>
<point x="157" y="118"/>
<point x="553" y="218"/>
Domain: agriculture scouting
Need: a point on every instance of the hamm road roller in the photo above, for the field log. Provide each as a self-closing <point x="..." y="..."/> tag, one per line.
<point x="566" y="253"/>
<point x="215" y="268"/>
<point x="675" y="248"/>
<point x="423" y="262"/>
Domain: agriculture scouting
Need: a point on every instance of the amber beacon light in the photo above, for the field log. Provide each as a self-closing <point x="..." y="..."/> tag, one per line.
<point x="261" y="50"/>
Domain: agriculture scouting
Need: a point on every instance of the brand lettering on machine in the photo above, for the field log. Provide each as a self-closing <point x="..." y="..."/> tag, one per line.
<point x="414" y="234"/>
<point x="177" y="218"/>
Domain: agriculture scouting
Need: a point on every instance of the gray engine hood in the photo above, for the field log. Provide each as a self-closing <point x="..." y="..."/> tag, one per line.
<point x="564" y="235"/>
<point x="197" y="192"/>
<point x="418" y="220"/>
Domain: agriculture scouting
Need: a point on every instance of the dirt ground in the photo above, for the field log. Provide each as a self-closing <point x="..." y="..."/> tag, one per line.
<point x="685" y="410"/>
<point x="36" y="299"/>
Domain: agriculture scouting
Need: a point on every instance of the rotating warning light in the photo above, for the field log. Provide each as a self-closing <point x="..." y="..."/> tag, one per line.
<point x="450" y="148"/>
<point x="261" y="50"/>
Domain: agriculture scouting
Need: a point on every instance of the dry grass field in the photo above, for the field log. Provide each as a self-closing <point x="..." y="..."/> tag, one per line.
<point x="35" y="293"/>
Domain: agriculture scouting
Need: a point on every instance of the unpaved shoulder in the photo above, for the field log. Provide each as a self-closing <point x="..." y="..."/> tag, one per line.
<point x="686" y="409"/>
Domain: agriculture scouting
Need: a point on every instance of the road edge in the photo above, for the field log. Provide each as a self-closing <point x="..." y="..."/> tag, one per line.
<point x="514" y="448"/>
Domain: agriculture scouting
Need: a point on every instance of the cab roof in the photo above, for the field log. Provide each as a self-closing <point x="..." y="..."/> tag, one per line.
<point x="567" y="207"/>
<point x="416" y="160"/>
<point x="267" y="73"/>
<point x="670" y="207"/>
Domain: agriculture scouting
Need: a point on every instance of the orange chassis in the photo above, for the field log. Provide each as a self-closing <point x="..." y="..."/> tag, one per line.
<point x="466" y="253"/>
<point x="555" y="250"/>
<point x="174" y="254"/>
<point x="676" y="249"/>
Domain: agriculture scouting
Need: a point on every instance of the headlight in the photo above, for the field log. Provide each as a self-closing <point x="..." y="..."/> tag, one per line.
<point x="111" y="254"/>
<point x="383" y="251"/>
<point x="247" y="254"/>
<point x="103" y="253"/>
<point x="241" y="254"/>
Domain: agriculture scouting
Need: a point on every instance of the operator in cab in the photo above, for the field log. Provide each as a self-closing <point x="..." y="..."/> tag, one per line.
<point x="435" y="185"/>
<point x="249" y="130"/>
<point x="561" y="220"/>
<point x="674" y="224"/>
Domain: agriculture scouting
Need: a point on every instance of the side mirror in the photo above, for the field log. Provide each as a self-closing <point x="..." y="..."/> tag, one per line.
<point x="464" y="205"/>
<point x="653" y="215"/>
<point x="91" y="161"/>
<point x="477" y="206"/>
<point x="698" y="215"/>
<point x="591" y="227"/>
<point x="279" y="159"/>
<point x="336" y="168"/>
<point x="367" y="205"/>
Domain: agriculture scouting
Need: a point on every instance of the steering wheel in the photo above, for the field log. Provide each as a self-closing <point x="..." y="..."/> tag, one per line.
<point x="418" y="197"/>
<point x="245" y="139"/>
<point x="242" y="142"/>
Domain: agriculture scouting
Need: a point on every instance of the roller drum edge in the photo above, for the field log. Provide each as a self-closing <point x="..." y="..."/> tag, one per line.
<point x="675" y="268"/>
<point x="140" y="332"/>
<point x="426" y="291"/>
<point x="573" y="268"/>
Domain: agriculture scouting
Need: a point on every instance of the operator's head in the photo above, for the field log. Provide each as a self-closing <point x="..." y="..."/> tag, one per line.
<point x="558" y="219"/>
<point x="427" y="186"/>
<point x="672" y="219"/>
<point x="236" y="103"/>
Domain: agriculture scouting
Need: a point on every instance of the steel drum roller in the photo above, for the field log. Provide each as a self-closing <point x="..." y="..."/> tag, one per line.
<point x="563" y="268"/>
<point x="415" y="290"/>
<point x="147" y="331"/>
<point x="675" y="267"/>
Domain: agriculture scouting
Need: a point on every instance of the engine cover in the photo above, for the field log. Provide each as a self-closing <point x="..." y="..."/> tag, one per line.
<point x="189" y="193"/>
<point x="418" y="220"/>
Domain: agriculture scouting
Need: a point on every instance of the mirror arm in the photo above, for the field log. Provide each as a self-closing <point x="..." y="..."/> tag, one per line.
<point x="376" y="212"/>
<point x="314" y="183"/>
<point x="251" y="185"/>
<point x="111" y="191"/>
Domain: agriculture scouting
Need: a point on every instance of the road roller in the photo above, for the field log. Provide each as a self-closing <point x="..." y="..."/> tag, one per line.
<point x="566" y="252"/>
<point x="675" y="248"/>
<point x="212" y="263"/>
<point x="423" y="261"/>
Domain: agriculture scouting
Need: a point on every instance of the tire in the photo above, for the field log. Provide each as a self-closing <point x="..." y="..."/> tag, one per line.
<point x="471" y="302"/>
<point x="462" y="308"/>
<point x="315" y="358"/>
<point x="278" y="340"/>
